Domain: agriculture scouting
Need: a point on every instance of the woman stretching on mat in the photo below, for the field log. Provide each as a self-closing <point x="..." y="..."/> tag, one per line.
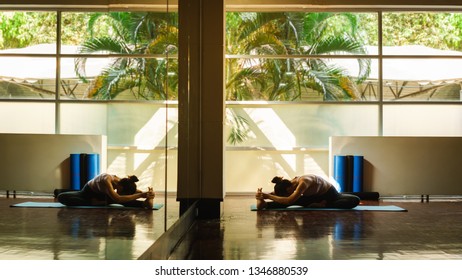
<point x="306" y="191"/>
<point x="107" y="189"/>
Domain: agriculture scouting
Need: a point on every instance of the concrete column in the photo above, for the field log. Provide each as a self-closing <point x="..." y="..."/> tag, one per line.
<point x="201" y="105"/>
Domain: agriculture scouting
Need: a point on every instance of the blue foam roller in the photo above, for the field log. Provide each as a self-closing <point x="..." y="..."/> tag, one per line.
<point x="92" y="166"/>
<point x="340" y="171"/>
<point x="358" y="167"/>
<point x="75" y="171"/>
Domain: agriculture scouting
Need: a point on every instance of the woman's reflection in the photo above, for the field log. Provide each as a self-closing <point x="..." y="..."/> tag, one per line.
<point x="111" y="232"/>
<point x="309" y="234"/>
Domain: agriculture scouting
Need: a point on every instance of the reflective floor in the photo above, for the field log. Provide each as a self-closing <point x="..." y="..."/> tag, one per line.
<point x="76" y="234"/>
<point x="427" y="231"/>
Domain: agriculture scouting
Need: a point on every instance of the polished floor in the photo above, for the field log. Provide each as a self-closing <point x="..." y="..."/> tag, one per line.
<point x="78" y="234"/>
<point x="429" y="230"/>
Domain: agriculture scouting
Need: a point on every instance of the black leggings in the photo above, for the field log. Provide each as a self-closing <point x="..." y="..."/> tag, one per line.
<point x="86" y="197"/>
<point x="333" y="198"/>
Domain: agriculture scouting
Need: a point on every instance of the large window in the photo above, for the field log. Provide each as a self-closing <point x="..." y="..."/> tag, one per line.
<point x="293" y="56"/>
<point x="110" y="73"/>
<point x="295" y="78"/>
<point x="321" y="56"/>
<point x="101" y="56"/>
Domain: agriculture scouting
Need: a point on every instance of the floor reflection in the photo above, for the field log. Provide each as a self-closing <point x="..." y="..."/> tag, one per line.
<point x="111" y="233"/>
<point x="76" y="234"/>
<point x="302" y="235"/>
<point x="426" y="231"/>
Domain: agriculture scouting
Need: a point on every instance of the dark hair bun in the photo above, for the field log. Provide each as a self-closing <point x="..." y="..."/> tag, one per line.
<point x="133" y="178"/>
<point x="276" y="179"/>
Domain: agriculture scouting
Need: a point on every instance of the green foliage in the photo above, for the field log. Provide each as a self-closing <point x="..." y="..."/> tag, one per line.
<point x="73" y="26"/>
<point x="132" y="34"/>
<point x="436" y="30"/>
<point x="239" y="128"/>
<point x="279" y="34"/>
<point x="22" y="29"/>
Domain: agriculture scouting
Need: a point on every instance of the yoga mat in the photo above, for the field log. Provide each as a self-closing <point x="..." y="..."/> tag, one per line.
<point x="349" y="173"/>
<point x="75" y="171"/>
<point x="387" y="208"/>
<point x="358" y="163"/>
<point x="34" y="204"/>
<point x="340" y="170"/>
<point x="92" y="166"/>
<point x="83" y="170"/>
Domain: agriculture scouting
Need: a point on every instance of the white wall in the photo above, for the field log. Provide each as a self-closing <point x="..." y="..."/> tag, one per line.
<point x="247" y="170"/>
<point x="40" y="162"/>
<point x="406" y="165"/>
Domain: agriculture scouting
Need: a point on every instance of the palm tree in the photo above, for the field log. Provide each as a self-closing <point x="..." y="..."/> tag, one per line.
<point x="272" y="36"/>
<point x="133" y="35"/>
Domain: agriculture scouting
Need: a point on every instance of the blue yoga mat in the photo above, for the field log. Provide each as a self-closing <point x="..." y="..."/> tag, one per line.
<point x="358" y="170"/>
<point x="92" y="166"/>
<point x="389" y="208"/>
<point x="34" y="204"/>
<point x="75" y="171"/>
<point x="340" y="171"/>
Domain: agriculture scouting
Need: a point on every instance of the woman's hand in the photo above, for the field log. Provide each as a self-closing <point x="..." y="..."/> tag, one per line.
<point x="148" y="194"/>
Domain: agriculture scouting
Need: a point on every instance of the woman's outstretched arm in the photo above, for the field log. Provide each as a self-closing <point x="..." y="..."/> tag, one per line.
<point x="110" y="191"/>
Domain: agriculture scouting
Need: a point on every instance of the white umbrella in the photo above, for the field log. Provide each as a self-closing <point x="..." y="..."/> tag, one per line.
<point x="32" y="69"/>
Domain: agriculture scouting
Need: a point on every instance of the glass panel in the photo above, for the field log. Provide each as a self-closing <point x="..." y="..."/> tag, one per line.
<point x="27" y="77"/>
<point x="288" y="139"/>
<point x="143" y="141"/>
<point x="120" y="78"/>
<point x="83" y="119"/>
<point x="141" y="125"/>
<point x="422" y="120"/>
<point x="298" y="33"/>
<point x="422" y="33"/>
<point x="287" y="127"/>
<point x="77" y="28"/>
<point x="28" y="32"/>
<point x="264" y="165"/>
<point x="422" y="79"/>
<point x="24" y="36"/>
<point x="301" y="79"/>
<point x="21" y="117"/>
<point x="120" y="33"/>
<point x="148" y="41"/>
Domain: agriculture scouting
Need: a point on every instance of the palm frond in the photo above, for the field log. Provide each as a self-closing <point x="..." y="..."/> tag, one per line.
<point x="239" y="128"/>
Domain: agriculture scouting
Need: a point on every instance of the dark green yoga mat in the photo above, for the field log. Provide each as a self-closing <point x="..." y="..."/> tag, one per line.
<point x="35" y="204"/>
<point x="389" y="208"/>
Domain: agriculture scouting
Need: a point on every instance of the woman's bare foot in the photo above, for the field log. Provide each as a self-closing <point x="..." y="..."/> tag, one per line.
<point x="261" y="204"/>
<point x="149" y="201"/>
